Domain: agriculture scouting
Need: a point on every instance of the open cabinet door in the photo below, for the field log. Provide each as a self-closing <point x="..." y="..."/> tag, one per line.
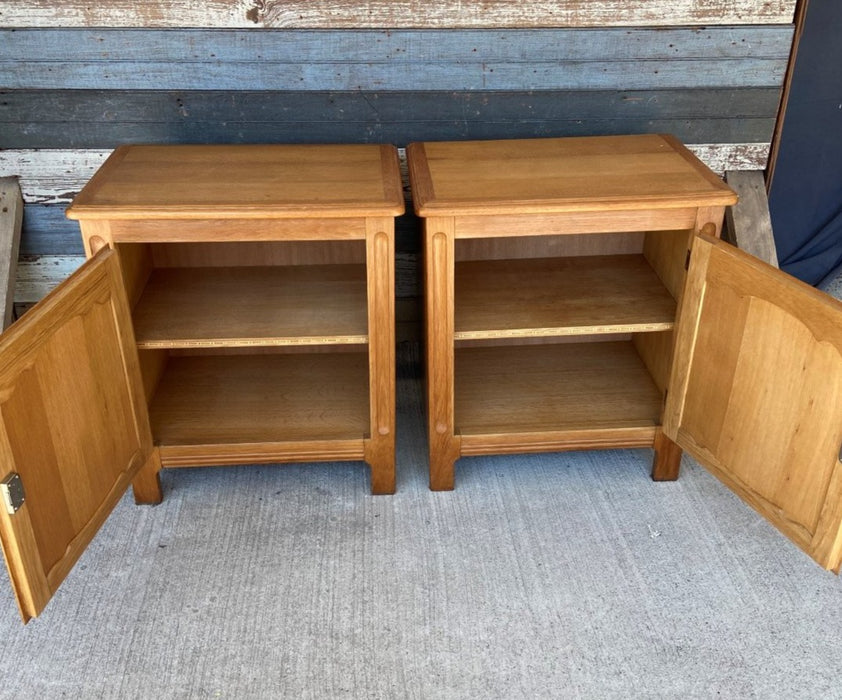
<point x="756" y="392"/>
<point x="73" y="426"/>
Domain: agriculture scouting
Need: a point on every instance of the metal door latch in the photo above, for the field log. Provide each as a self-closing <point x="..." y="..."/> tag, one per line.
<point x="11" y="488"/>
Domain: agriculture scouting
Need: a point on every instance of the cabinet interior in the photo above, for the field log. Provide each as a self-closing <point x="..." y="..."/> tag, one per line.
<point x="251" y="342"/>
<point x="565" y="333"/>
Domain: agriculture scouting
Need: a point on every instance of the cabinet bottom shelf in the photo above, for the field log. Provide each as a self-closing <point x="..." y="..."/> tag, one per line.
<point x="546" y="397"/>
<point x="228" y="409"/>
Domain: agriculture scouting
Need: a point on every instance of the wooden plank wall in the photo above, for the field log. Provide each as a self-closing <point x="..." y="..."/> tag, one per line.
<point x="77" y="79"/>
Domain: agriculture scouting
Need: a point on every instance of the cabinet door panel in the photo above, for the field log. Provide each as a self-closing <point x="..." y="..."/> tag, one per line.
<point x="73" y="425"/>
<point x="756" y="392"/>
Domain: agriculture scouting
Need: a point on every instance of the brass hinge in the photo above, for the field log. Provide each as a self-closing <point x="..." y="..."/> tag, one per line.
<point x="11" y="489"/>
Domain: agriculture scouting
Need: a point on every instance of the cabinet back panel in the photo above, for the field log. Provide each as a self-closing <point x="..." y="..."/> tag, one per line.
<point x="153" y="363"/>
<point x="257" y="253"/>
<point x="562" y="245"/>
<point x="232" y="229"/>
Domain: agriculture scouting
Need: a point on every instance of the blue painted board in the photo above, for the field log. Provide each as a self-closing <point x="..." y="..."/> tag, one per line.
<point x="570" y="59"/>
<point x="393" y="46"/>
<point x="546" y="75"/>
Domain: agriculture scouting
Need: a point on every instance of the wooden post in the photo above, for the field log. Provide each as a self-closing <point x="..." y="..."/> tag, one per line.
<point x="380" y="265"/>
<point x="748" y="224"/>
<point x="439" y="261"/>
<point x="11" y="219"/>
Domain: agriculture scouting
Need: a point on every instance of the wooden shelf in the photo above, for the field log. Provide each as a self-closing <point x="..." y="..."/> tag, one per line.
<point x="268" y="398"/>
<point x="248" y="306"/>
<point x="578" y="388"/>
<point x="560" y="296"/>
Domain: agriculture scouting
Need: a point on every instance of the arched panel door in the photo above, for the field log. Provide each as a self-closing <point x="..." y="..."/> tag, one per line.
<point x="74" y="427"/>
<point x="756" y="392"/>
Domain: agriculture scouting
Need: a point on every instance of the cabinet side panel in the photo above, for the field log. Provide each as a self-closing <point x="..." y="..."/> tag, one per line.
<point x="666" y="252"/>
<point x="655" y="349"/>
<point x="136" y="265"/>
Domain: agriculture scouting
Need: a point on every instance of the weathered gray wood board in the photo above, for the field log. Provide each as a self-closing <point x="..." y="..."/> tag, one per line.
<point x="302" y="14"/>
<point x="11" y="218"/>
<point x="748" y="224"/>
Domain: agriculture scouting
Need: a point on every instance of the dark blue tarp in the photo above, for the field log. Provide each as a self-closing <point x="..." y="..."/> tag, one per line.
<point x="805" y="199"/>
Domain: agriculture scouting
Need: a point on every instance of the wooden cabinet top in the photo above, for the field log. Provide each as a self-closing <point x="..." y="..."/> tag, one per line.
<point x="243" y="181"/>
<point x="533" y="176"/>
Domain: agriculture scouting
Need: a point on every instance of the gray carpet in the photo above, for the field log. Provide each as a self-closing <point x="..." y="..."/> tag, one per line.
<point x="542" y="576"/>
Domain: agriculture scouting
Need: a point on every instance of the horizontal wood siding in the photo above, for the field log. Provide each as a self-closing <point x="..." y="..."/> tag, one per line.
<point x="355" y="14"/>
<point x="78" y="79"/>
<point x="313" y="49"/>
<point x="575" y="59"/>
<point x="101" y="119"/>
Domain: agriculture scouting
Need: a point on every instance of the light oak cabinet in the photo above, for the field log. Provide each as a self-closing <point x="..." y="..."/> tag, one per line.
<point x="577" y="297"/>
<point x="237" y="307"/>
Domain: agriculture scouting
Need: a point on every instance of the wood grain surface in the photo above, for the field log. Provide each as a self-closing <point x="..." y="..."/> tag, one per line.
<point x="403" y="13"/>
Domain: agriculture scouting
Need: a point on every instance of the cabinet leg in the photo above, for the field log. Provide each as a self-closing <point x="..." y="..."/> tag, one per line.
<point x="441" y="473"/>
<point x="443" y="455"/>
<point x="380" y="457"/>
<point x="147" y="483"/>
<point x="667" y="462"/>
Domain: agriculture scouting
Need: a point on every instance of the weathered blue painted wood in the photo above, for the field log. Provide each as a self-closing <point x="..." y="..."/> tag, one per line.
<point x="614" y="59"/>
<point x="46" y="231"/>
<point x="403" y="46"/>
<point x="563" y="75"/>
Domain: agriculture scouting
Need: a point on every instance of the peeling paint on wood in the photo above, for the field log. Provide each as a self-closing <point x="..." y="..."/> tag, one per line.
<point x="732" y="156"/>
<point x="51" y="176"/>
<point x="336" y="14"/>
